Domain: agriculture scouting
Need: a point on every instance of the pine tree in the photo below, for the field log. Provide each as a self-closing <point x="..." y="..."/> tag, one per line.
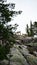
<point x="31" y="29"/>
<point x="27" y="29"/>
<point x="6" y="31"/>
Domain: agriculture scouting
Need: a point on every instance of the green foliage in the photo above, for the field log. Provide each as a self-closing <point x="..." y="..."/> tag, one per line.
<point x="3" y="52"/>
<point x="35" y="24"/>
<point x="30" y="30"/>
<point x="27" y="29"/>
<point x="6" y="31"/>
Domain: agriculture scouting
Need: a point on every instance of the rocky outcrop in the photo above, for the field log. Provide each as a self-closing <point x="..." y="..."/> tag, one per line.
<point x="21" y="56"/>
<point x="29" y="40"/>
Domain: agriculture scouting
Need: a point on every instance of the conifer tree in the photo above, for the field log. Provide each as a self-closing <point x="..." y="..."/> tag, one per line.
<point x="6" y="31"/>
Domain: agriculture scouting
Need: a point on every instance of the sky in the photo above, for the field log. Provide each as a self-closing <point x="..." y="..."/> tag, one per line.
<point x="29" y="13"/>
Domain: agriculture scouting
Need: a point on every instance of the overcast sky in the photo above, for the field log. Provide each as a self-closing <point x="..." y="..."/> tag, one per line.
<point x="29" y="8"/>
